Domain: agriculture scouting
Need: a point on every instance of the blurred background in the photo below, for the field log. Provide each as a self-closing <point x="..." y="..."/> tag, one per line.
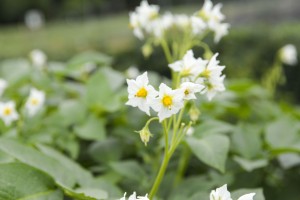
<point x="62" y="28"/>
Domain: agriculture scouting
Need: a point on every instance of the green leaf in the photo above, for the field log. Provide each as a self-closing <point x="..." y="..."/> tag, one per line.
<point x="211" y="149"/>
<point x="89" y="57"/>
<point x="246" y="140"/>
<point x="100" y="94"/>
<point x="258" y="193"/>
<point x="71" y="112"/>
<point x="129" y="169"/>
<point x="250" y="165"/>
<point x="83" y="177"/>
<point x="284" y="133"/>
<point x="92" y="129"/>
<point x="34" y="158"/>
<point x="15" y="76"/>
<point x="20" y="181"/>
<point x="212" y="127"/>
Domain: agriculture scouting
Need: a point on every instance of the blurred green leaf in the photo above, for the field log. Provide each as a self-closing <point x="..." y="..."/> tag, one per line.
<point x="89" y="57"/>
<point x="246" y="140"/>
<point x="250" y="165"/>
<point x="129" y="169"/>
<point x="93" y="128"/>
<point x="36" y="159"/>
<point x="211" y="149"/>
<point x="258" y="193"/>
<point x="212" y="127"/>
<point x="20" y="181"/>
<point x="71" y="112"/>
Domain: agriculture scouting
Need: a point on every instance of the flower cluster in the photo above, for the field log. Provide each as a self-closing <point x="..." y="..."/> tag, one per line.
<point x="288" y="54"/>
<point x="147" y="22"/>
<point x="197" y="76"/>
<point x="223" y="194"/>
<point x="33" y="104"/>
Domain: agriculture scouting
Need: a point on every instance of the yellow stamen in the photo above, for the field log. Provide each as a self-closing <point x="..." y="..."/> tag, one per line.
<point x="7" y="111"/>
<point x="142" y="93"/>
<point x="167" y="101"/>
<point x="206" y="73"/>
<point x="186" y="92"/>
<point x="185" y="72"/>
<point x="34" y="101"/>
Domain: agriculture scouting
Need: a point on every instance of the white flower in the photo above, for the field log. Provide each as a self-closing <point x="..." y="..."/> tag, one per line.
<point x="190" y="131"/>
<point x="38" y="58"/>
<point x="189" y="89"/>
<point x="288" y="54"/>
<point x="213" y="69"/>
<point x="210" y="12"/>
<point x="132" y="72"/>
<point x="35" y="101"/>
<point x="140" y="94"/>
<point x="188" y="66"/>
<point x="223" y="194"/>
<point x="141" y="17"/>
<point x="213" y="86"/>
<point x="8" y="112"/>
<point x="220" y="30"/>
<point x="220" y="194"/>
<point x="168" y="103"/>
<point x="198" y="25"/>
<point x="133" y="197"/>
<point x="3" y="86"/>
<point x="182" y="21"/>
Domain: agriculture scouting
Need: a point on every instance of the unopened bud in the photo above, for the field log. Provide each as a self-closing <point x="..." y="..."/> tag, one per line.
<point x="194" y="113"/>
<point x="145" y="135"/>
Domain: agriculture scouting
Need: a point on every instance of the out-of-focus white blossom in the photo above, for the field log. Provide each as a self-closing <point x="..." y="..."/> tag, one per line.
<point x="220" y="30"/>
<point x="168" y="103"/>
<point x="38" y="58"/>
<point x="140" y="93"/>
<point x="132" y="72"/>
<point x="288" y="54"/>
<point x="34" y="19"/>
<point x="190" y="131"/>
<point x="134" y="197"/>
<point x="35" y="101"/>
<point x="222" y="193"/>
<point x="140" y="18"/>
<point x="188" y="66"/>
<point x="3" y="86"/>
<point x="8" y="112"/>
<point x="189" y="89"/>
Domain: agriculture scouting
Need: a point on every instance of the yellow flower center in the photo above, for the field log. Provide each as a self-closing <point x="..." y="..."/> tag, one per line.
<point x="142" y="93"/>
<point x="34" y="101"/>
<point x="185" y="72"/>
<point x="206" y="73"/>
<point x="186" y="92"/>
<point x="167" y="101"/>
<point x="203" y="14"/>
<point x="7" y="111"/>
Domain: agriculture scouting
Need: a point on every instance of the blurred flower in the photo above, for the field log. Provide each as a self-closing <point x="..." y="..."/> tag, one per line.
<point x="220" y="29"/>
<point x="288" y="54"/>
<point x="145" y="135"/>
<point x="190" y="131"/>
<point x="198" y="25"/>
<point x="132" y="72"/>
<point x="38" y="58"/>
<point x="211" y="76"/>
<point x="34" y="19"/>
<point x="35" y="101"/>
<point x="140" y="94"/>
<point x="133" y="197"/>
<point x="194" y="113"/>
<point x="140" y="18"/>
<point x="188" y="66"/>
<point x="3" y="86"/>
<point x="168" y="103"/>
<point x="8" y="112"/>
<point x="189" y="89"/>
<point x="222" y="193"/>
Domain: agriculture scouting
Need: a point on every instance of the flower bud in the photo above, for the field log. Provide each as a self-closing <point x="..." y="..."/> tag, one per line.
<point x="145" y="135"/>
<point x="194" y="113"/>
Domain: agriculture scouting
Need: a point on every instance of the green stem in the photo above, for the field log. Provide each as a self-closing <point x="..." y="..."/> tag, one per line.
<point x="166" y="50"/>
<point x="182" y="165"/>
<point x="160" y="175"/>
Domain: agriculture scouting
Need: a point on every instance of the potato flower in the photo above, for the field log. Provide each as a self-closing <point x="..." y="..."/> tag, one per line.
<point x="189" y="89"/>
<point x="222" y="193"/>
<point x="168" y="103"/>
<point x="8" y="112"/>
<point x="288" y="54"/>
<point x="38" y="58"/>
<point x="134" y="197"/>
<point x="140" y="94"/>
<point x="35" y="101"/>
<point x="188" y="66"/>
